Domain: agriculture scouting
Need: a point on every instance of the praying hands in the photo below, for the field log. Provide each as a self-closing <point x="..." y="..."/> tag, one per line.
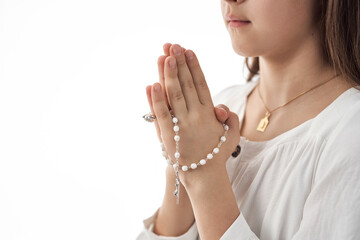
<point x="183" y="89"/>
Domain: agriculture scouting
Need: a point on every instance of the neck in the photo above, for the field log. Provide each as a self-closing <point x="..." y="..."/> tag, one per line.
<point x="294" y="71"/>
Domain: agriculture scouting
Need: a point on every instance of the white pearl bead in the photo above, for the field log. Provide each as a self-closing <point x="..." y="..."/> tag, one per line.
<point x="168" y="161"/>
<point x="162" y="145"/>
<point x="176" y="128"/>
<point x="175" y="165"/>
<point x="164" y="153"/>
<point x="210" y="156"/>
<point x="184" y="168"/>
<point x="177" y="138"/>
<point x="223" y="138"/>
<point x="203" y="162"/>
<point x="193" y="166"/>
<point x="226" y="127"/>
<point x="177" y="155"/>
<point x="175" y="120"/>
<point x="216" y="150"/>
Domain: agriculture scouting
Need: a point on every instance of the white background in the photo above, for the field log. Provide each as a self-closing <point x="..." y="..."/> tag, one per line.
<point x="77" y="161"/>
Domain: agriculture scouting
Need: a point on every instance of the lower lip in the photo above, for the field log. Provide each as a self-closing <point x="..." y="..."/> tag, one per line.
<point x="237" y="24"/>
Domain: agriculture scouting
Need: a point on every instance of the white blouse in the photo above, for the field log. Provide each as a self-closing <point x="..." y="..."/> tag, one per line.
<point x="302" y="184"/>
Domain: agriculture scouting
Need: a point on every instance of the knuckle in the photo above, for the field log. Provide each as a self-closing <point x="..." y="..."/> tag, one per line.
<point x="157" y="100"/>
<point x="187" y="84"/>
<point x="232" y="117"/>
<point x="177" y="95"/>
<point x="202" y="84"/>
<point x="236" y="117"/>
<point x="181" y="60"/>
<point x="162" y="114"/>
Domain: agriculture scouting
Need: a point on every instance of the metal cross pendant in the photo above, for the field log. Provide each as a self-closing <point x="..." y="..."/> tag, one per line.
<point x="177" y="187"/>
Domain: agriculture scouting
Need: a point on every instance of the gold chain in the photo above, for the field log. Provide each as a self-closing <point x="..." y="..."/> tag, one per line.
<point x="265" y="121"/>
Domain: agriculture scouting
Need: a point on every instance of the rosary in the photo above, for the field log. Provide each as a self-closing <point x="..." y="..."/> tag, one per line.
<point x="192" y="166"/>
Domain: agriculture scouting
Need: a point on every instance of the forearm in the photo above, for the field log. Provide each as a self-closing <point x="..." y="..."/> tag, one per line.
<point x="173" y="219"/>
<point x="213" y="202"/>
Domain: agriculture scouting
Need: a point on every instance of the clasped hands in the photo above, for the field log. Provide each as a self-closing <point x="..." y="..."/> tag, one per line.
<point x="183" y="89"/>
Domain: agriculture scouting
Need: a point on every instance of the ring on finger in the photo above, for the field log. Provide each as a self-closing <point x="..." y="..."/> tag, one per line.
<point x="149" y="117"/>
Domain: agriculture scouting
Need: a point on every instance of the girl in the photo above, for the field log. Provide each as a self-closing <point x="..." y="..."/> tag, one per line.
<point x="295" y="127"/>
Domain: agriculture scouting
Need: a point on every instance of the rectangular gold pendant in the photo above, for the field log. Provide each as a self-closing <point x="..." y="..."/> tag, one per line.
<point x="263" y="124"/>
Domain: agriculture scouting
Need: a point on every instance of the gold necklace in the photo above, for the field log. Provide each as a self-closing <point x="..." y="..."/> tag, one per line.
<point x="265" y="121"/>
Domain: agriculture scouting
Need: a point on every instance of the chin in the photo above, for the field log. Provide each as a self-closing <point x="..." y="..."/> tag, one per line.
<point x="245" y="50"/>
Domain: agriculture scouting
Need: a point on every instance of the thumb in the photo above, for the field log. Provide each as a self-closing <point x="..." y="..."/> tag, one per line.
<point x="221" y="112"/>
<point x="233" y="123"/>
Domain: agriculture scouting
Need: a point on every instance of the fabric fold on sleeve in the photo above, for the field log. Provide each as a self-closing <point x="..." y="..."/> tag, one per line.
<point x="148" y="234"/>
<point x="239" y="230"/>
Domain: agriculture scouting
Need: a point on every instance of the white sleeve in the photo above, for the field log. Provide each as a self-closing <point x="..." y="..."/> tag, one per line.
<point x="148" y="234"/>
<point x="239" y="230"/>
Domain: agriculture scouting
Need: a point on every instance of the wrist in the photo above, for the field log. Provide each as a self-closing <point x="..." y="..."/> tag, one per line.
<point x="204" y="176"/>
<point x="170" y="175"/>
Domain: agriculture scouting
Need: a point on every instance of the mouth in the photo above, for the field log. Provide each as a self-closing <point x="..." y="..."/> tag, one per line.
<point x="238" y="23"/>
<point x="235" y="21"/>
<point x="233" y="18"/>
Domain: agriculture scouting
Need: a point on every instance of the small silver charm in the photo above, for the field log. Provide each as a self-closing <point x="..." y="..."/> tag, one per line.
<point x="177" y="186"/>
<point x="149" y="117"/>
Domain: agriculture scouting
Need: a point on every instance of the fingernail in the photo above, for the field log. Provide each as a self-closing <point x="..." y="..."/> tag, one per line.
<point x="157" y="87"/>
<point x="177" y="50"/>
<point x="222" y="109"/>
<point x="189" y="55"/>
<point x="172" y="63"/>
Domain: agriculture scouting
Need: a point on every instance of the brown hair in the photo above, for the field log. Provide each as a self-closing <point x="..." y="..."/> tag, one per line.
<point x="339" y="24"/>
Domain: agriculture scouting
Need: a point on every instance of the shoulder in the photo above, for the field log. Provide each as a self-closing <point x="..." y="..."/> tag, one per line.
<point x="345" y="136"/>
<point x="341" y="151"/>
